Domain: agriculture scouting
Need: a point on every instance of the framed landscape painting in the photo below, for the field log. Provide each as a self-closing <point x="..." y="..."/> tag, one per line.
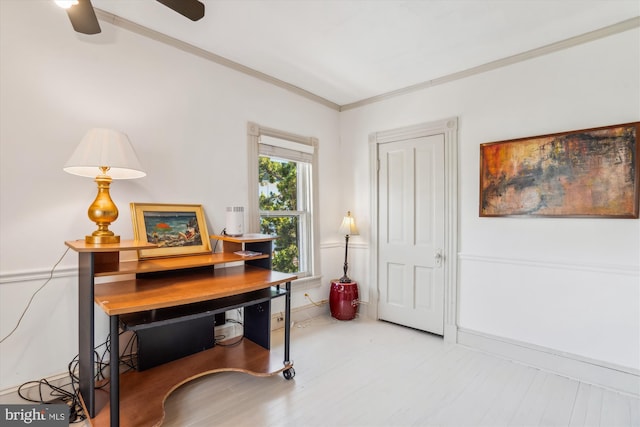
<point x="583" y="173"/>
<point x="176" y="229"/>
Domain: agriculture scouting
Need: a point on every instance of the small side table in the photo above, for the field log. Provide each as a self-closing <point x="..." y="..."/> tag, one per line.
<point x="343" y="300"/>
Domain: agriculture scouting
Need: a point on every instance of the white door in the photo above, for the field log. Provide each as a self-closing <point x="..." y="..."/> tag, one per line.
<point x="411" y="232"/>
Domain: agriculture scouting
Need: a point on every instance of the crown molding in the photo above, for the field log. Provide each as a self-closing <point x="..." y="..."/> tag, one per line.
<point x="509" y="60"/>
<point x="220" y="60"/>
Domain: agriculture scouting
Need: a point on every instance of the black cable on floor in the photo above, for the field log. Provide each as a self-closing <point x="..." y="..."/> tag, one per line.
<point x="72" y="397"/>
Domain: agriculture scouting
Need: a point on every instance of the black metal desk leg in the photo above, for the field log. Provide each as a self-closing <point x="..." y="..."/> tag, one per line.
<point x="287" y="323"/>
<point x="114" y="371"/>
<point x="86" y="359"/>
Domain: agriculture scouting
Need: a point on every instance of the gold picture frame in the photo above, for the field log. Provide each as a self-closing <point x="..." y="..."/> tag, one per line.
<point x="177" y="229"/>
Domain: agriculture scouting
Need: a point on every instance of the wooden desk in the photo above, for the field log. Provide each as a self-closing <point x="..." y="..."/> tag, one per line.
<point x="169" y="291"/>
<point x="136" y="295"/>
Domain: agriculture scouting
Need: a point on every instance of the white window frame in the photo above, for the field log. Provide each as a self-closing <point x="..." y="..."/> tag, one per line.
<point x="292" y="147"/>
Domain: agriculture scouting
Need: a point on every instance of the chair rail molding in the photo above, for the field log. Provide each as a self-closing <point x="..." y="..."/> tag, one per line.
<point x="36" y="274"/>
<point x="620" y="269"/>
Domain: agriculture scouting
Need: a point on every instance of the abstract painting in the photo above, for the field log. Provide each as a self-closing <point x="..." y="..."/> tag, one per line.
<point x="583" y="173"/>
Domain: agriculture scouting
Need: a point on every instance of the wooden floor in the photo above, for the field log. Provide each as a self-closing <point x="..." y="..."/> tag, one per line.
<point x="368" y="373"/>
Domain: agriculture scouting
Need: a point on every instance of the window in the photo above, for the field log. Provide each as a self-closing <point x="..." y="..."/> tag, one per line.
<point x="283" y="184"/>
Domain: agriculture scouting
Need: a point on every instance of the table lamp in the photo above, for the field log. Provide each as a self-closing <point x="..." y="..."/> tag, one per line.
<point x="104" y="154"/>
<point x="348" y="228"/>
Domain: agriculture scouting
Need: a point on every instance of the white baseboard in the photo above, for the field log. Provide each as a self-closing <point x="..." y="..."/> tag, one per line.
<point x="618" y="378"/>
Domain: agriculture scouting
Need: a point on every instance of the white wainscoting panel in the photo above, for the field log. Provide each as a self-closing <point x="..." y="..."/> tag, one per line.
<point x="579" y="320"/>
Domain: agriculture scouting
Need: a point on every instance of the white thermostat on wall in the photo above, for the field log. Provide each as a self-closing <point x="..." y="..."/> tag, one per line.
<point x="235" y="221"/>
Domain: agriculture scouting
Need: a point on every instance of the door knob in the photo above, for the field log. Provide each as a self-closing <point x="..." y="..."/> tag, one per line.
<point x="438" y="257"/>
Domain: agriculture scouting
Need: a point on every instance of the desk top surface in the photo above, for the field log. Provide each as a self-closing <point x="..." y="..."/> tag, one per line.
<point x="130" y="296"/>
<point x="124" y="245"/>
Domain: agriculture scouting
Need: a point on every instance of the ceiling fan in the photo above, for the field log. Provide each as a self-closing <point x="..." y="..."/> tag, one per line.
<point x="83" y="17"/>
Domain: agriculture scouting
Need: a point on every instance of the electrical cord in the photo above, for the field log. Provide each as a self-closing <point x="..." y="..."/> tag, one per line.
<point x="231" y="344"/>
<point x="317" y="304"/>
<point x="223" y="233"/>
<point x="100" y="379"/>
<point x="72" y="397"/>
<point x="33" y="296"/>
<point x="59" y="393"/>
<point x="218" y="340"/>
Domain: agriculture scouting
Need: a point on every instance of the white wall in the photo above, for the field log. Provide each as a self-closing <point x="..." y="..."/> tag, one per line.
<point x="571" y="285"/>
<point x="186" y="118"/>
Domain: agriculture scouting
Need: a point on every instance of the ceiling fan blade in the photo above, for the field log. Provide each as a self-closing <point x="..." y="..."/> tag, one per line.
<point x="83" y="17"/>
<point x="192" y="9"/>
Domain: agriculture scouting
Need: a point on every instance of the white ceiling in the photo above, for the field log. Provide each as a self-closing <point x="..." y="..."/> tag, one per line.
<point x="347" y="51"/>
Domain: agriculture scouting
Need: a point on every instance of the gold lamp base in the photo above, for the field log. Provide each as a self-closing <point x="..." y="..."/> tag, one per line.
<point x="97" y="240"/>
<point x="103" y="212"/>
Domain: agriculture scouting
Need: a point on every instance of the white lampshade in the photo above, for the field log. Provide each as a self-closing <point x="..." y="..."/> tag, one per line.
<point x="105" y="148"/>
<point x="348" y="226"/>
<point x="66" y="4"/>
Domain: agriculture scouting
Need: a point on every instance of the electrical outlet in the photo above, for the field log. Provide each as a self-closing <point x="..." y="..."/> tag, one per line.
<point x="277" y="320"/>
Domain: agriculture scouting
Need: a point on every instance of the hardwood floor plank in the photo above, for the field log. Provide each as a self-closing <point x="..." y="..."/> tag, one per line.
<point x="479" y="394"/>
<point x="616" y="410"/>
<point x="511" y="384"/>
<point x="548" y="401"/>
<point x="561" y="394"/>
<point x="584" y="401"/>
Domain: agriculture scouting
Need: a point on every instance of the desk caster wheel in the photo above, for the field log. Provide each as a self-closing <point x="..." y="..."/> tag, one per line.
<point x="289" y="374"/>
